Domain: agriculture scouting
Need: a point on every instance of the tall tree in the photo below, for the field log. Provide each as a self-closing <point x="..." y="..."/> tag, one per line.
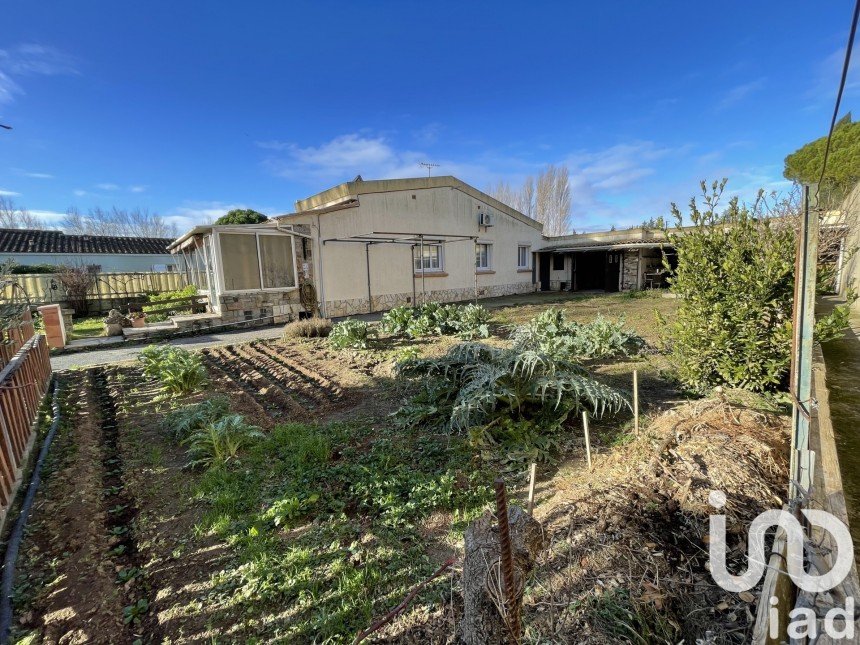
<point x="545" y="198"/>
<point x="241" y="216"/>
<point x="843" y="164"/>
<point x="13" y="216"/>
<point x="118" y="222"/>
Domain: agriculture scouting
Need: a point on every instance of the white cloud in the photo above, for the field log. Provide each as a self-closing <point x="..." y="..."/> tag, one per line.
<point x="50" y="218"/>
<point x="30" y="59"/>
<point x="8" y="193"/>
<point x="137" y="189"/>
<point x="107" y="186"/>
<point x="371" y="156"/>
<point x="195" y="213"/>
<point x="34" y="175"/>
<point x="79" y="192"/>
<point x="738" y="93"/>
<point x="827" y="75"/>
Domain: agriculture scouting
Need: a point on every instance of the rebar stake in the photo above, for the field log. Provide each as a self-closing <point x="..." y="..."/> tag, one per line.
<point x="512" y="609"/>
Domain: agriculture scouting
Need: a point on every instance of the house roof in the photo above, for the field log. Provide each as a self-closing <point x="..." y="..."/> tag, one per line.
<point x="343" y="194"/>
<point x="14" y="240"/>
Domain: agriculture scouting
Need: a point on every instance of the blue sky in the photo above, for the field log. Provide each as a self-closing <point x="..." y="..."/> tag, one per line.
<point x="191" y="108"/>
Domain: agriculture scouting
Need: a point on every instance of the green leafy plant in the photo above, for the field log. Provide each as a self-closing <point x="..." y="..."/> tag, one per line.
<point x="220" y="441"/>
<point x="178" y="370"/>
<point x="478" y="385"/>
<point x="182" y="422"/>
<point x="289" y="508"/>
<point x="551" y="333"/>
<point x="157" y="300"/>
<point x="134" y="613"/>
<point x="351" y="333"/>
<point x="396" y="320"/>
<point x="466" y="321"/>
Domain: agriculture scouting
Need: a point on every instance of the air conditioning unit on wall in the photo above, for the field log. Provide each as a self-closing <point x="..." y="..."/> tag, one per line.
<point x="485" y="219"/>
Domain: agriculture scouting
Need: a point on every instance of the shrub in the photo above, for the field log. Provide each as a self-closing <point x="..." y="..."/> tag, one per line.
<point x="220" y="441"/>
<point x="476" y="385"/>
<point x="351" y="333"/>
<point x="551" y="333"/>
<point x="315" y="327"/>
<point x="735" y="284"/>
<point x="156" y="302"/>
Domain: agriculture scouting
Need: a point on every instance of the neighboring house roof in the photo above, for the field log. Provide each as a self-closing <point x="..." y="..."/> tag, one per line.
<point x="343" y="194"/>
<point x="13" y="240"/>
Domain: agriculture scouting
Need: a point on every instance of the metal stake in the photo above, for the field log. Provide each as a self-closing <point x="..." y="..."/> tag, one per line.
<point x="512" y="610"/>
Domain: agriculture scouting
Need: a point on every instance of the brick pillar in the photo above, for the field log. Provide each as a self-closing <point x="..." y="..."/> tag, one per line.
<point x="55" y="329"/>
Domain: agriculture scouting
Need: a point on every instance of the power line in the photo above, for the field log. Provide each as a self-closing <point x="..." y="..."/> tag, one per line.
<point x="845" y="67"/>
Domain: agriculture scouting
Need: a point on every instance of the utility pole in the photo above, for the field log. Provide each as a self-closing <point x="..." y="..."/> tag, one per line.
<point x="429" y="166"/>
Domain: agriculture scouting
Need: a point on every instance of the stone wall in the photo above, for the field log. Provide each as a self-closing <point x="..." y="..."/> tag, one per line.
<point x="339" y="308"/>
<point x="630" y="270"/>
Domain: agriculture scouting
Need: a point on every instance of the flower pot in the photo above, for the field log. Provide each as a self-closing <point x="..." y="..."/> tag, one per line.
<point x="138" y="322"/>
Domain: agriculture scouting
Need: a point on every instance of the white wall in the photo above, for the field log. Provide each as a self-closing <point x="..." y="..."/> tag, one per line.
<point x="438" y="210"/>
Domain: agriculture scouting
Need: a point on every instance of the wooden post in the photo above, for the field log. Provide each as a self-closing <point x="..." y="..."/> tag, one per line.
<point x="532" y="477"/>
<point x="587" y="438"/>
<point x="636" y="402"/>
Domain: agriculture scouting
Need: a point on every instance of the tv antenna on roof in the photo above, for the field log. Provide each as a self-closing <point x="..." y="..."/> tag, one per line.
<point x="429" y="166"/>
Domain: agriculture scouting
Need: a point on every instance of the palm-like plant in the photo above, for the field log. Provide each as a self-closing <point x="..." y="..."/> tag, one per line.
<point x="475" y="384"/>
<point x="220" y="441"/>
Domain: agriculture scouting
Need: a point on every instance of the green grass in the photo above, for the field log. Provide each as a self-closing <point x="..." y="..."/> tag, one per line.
<point x="90" y="327"/>
<point x="324" y="523"/>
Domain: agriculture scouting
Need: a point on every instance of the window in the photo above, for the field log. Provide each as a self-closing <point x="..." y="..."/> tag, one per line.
<point x="251" y="262"/>
<point x="558" y="262"/>
<point x="277" y="262"/>
<point x="483" y="256"/>
<point x="523" y="256"/>
<point x="240" y="261"/>
<point x="431" y="260"/>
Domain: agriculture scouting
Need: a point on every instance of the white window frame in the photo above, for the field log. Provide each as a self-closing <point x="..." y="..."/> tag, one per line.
<point x="489" y="246"/>
<point x="528" y="249"/>
<point x="219" y="264"/>
<point x="417" y="258"/>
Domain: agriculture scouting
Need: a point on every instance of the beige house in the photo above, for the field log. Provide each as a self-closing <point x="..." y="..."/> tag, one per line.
<point x="379" y="244"/>
<point x="367" y="246"/>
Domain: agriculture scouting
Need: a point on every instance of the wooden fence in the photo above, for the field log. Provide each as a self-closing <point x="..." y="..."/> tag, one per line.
<point x="109" y="290"/>
<point x="24" y="381"/>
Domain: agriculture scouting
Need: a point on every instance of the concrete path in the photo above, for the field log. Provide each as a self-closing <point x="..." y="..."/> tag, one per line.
<point x="112" y="355"/>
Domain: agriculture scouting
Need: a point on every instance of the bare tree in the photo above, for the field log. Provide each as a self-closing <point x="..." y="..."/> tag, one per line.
<point x="118" y="222"/>
<point x="77" y="282"/>
<point x="12" y="216"/>
<point x="546" y="199"/>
